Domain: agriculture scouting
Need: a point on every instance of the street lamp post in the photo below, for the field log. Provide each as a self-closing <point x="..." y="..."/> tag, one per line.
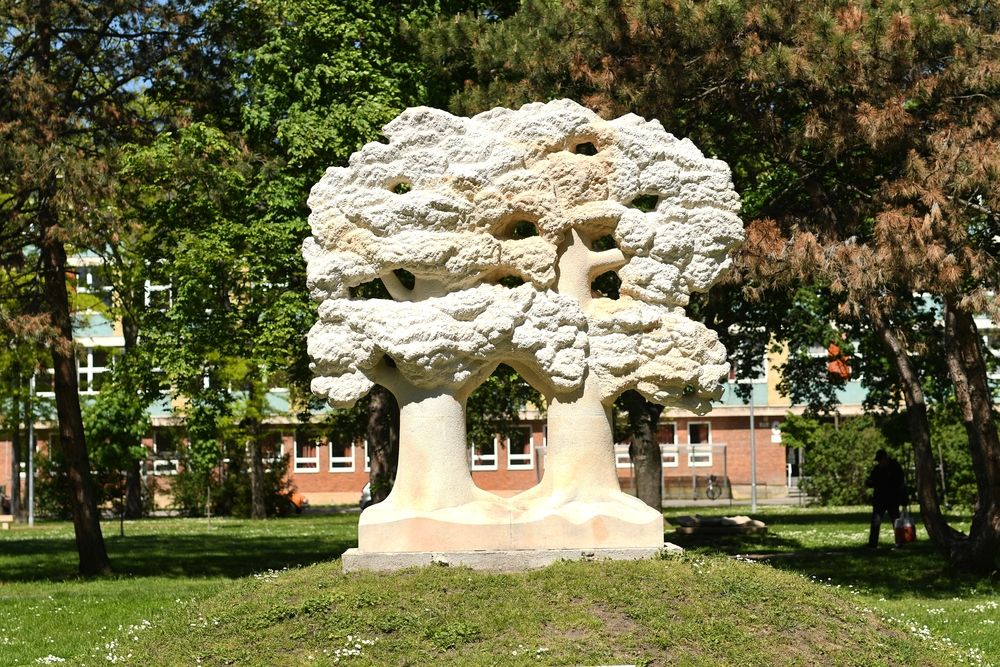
<point x="753" y="455"/>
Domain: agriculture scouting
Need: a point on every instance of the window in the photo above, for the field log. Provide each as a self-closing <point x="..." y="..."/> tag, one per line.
<point x="165" y="441"/>
<point x="306" y="455"/>
<point x="90" y="281"/>
<point x="271" y="450"/>
<point x="368" y="459"/>
<point x="93" y="364"/>
<point x="668" y="445"/>
<point x="700" y="444"/>
<point x="622" y="458"/>
<point x="158" y="297"/>
<point x="484" y="455"/>
<point x="520" y="451"/>
<point x="341" y="456"/>
<point x="669" y="455"/>
<point x="44" y="381"/>
<point x="165" y="466"/>
<point x="699" y="433"/>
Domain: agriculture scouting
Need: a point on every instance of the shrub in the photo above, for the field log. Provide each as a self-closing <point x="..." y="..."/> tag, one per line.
<point x="838" y="458"/>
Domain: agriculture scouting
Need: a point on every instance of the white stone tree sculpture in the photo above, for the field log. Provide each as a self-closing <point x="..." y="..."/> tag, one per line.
<point x="444" y="199"/>
<point x="583" y="187"/>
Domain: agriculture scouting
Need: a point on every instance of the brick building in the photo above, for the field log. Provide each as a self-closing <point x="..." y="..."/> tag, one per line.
<point x="326" y="472"/>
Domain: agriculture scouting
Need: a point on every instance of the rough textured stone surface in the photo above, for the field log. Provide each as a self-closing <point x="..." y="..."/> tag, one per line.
<point x="355" y="560"/>
<point x="531" y="194"/>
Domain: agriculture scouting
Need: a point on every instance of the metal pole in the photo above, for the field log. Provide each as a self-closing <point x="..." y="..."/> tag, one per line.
<point x="753" y="456"/>
<point x="31" y="451"/>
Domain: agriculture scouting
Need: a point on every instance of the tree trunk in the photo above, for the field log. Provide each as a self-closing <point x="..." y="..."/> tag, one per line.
<point x="86" y="519"/>
<point x="580" y="456"/>
<point x="133" y="490"/>
<point x="647" y="461"/>
<point x="940" y="533"/>
<point x="133" y="474"/>
<point x="383" y="441"/>
<point x="257" y="507"/>
<point x="967" y="368"/>
<point x="433" y="465"/>
<point x="15" y="447"/>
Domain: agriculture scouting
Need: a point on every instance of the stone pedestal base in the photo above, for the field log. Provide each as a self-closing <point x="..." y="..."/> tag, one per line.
<point x="355" y="560"/>
<point x="495" y="527"/>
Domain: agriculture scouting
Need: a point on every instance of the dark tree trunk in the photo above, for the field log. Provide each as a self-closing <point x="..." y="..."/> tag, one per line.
<point x="133" y="475"/>
<point x="15" y="448"/>
<point x="967" y="368"/>
<point x="86" y="520"/>
<point x="383" y="441"/>
<point x="940" y="533"/>
<point x="133" y="490"/>
<point x="257" y="507"/>
<point x="647" y="461"/>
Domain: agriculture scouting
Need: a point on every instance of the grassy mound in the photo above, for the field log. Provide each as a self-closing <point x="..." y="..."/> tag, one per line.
<point x="689" y="610"/>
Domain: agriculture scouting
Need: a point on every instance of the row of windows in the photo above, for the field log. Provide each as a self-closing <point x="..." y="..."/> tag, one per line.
<point x="698" y="456"/>
<point x="520" y="453"/>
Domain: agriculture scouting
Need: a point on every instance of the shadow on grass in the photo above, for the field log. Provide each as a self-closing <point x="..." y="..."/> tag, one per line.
<point x="222" y="551"/>
<point x="916" y="570"/>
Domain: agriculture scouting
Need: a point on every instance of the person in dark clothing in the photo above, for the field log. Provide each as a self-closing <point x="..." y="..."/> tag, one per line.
<point x="888" y="492"/>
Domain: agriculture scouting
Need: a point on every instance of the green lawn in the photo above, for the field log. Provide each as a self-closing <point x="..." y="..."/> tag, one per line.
<point x="912" y="586"/>
<point x="163" y="566"/>
<point x="187" y="583"/>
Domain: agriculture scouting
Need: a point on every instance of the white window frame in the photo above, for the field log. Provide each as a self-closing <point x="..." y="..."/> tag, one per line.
<point x="669" y="451"/>
<point x="271" y="461"/>
<point x="301" y="461"/>
<point x="622" y="458"/>
<point x="347" y="462"/>
<point x="149" y="288"/>
<point x="90" y="370"/>
<point x="88" y="286"/>
<point x="52" y="382"/>
<point x="368" y="459"/>
<point x="484" y="461"/>
<point x="700" y="454"/>
<point x="171" y="470"/>
<point x="669" y="454"/>
<point x="522" y="461"/>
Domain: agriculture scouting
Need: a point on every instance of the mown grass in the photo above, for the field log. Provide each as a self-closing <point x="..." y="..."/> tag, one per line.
<point x="912" y="587"/>
<point x="240" y="592"/>
<point x="162" y="565"/>
<point x="678" y="611"/>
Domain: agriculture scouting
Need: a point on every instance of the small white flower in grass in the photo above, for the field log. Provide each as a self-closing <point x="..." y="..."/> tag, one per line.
<point x="49" y="660"/>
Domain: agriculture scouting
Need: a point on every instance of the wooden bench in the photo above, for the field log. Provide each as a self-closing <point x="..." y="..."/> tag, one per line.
<point x="5" y="521"/>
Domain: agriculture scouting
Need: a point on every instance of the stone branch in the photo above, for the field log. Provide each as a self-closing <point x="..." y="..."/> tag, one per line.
<point x="606" y="260"/>
<point x="395" y="287"/>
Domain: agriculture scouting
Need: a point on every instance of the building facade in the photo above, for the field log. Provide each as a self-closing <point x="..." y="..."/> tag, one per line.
<point x="738" y="442"/>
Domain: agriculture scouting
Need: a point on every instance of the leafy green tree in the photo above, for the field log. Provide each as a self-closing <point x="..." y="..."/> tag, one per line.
<point x="116" y="422"/>
<point x="229" y="321"/>
<point x="837" y="459"/>
<point x="324" y="79"/>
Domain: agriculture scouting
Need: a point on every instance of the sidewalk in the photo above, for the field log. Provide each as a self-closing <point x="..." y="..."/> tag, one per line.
<point x="738" y="502"/>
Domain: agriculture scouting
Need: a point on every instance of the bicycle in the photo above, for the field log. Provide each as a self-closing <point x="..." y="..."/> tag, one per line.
<point x="712" y="488"/>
